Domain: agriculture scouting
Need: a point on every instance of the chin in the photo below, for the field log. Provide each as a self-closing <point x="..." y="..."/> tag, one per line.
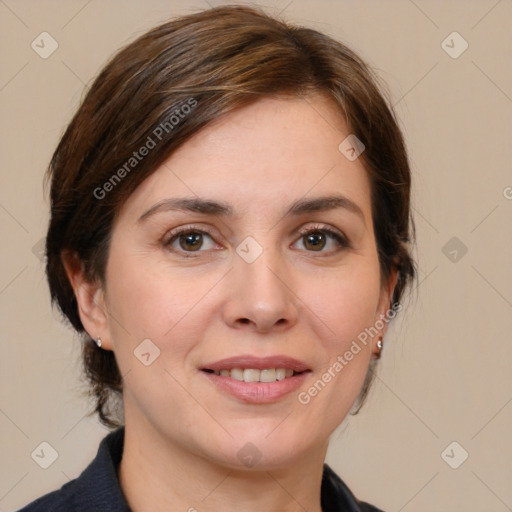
<point x="262" y="448"/>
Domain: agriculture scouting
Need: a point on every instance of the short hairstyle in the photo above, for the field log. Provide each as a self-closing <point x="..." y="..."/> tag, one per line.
<point x="166" y="86"/>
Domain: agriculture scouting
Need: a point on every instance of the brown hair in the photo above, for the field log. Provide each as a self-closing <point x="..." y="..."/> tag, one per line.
<point x="216" y="60"/>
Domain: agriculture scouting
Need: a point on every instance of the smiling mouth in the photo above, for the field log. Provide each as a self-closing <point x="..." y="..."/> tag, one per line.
<point x="254" y="375"/>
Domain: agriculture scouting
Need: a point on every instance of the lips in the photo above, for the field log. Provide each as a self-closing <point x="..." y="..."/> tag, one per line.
<point x="258" y="363"/>
<point x="257" y="380"/>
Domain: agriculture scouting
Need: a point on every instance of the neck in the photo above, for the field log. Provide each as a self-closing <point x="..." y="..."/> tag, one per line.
<point x="157" y="474"/>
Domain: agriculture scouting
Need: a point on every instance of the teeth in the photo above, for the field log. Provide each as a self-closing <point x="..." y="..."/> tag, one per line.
<point x="237" y="374"/>
<point x="268" y="375"/>
<point x="251" y="375"/>
<point x="254" y="375"/>
<point x="280" y="374"/>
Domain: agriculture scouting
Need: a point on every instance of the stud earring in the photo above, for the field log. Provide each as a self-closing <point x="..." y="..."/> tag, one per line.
<point x="380" y="344"/>
<point x="98" y="342"/>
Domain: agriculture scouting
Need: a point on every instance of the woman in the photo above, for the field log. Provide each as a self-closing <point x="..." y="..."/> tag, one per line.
<point x="229" y="232"/>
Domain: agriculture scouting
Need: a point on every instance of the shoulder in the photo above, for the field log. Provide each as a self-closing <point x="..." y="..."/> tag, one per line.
<point x="61" y="499"/>
<point x="337" y="497"/>
<point x="97" y="488"/>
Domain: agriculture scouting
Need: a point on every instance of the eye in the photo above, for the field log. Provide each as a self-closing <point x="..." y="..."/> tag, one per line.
<point x="317" y="238"/>
<point x="188" y="240"/>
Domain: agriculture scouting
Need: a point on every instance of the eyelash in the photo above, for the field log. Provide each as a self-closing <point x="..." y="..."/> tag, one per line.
<point x="343" y="242"/>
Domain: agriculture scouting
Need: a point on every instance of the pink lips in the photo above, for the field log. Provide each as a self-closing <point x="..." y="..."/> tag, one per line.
<point x="258" y="363"/>
<point x="257" y="392"/>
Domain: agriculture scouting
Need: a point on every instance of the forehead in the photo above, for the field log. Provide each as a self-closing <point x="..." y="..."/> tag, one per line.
<point x="262" y="156"/>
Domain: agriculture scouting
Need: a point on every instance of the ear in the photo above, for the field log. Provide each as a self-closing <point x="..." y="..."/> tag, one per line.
<point x="386" y="294"/>
<point x="90" y="298"/>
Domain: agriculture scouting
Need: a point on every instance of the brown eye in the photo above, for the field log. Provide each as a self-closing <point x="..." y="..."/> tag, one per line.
<point x="323" y="240"/>
<point x="185" y="241"/>
<point x="315" y="240"/>
<point x="191" y="241"/>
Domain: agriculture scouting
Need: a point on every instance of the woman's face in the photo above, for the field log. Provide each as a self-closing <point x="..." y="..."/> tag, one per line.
<point x="231" y="251"/>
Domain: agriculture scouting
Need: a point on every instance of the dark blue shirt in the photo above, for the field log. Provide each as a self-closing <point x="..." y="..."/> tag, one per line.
<point x="97" y="489"/>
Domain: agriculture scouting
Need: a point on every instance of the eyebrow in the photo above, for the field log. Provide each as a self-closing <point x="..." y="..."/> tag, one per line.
<point x="210" y="207"/>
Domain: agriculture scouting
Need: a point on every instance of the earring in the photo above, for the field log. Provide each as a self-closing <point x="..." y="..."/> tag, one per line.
<point x="98" y="342"/>
<point x="380" y="344"/>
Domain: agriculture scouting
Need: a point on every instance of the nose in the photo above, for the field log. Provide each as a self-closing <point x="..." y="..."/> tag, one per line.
<point x="259" y="295"/>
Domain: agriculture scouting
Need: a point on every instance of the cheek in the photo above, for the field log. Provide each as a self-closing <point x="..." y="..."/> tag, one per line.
<point x="143" y="305"/>
<point x="347" y="307"/>
<point x="156" y="302"/>
<point x="348" y="303"/>
<point x="153" y="302"/>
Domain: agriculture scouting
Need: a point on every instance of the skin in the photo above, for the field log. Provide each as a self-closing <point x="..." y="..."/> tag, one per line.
<point x="183" y="433"/>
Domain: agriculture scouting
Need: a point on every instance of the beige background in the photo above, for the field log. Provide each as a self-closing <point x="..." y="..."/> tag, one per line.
<point x="446" y="371"/>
